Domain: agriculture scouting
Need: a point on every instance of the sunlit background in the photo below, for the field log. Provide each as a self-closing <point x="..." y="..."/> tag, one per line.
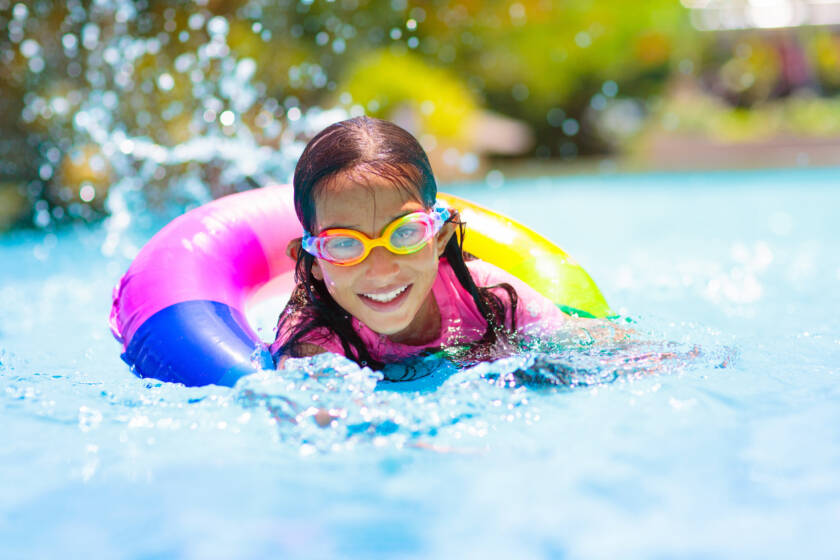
<point x="684" y="153"/>
<point x="167" y="100"/>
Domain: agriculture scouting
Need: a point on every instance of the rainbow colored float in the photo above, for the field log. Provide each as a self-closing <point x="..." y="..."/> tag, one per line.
<point x="179" y="310"/>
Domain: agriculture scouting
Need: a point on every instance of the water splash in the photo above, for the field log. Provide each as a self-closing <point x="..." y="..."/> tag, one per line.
<point x="141" y="110"/>
<point x="329" y="404"/>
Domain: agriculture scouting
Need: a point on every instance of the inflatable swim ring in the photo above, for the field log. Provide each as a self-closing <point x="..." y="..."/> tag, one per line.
<point x="179" y="309"/>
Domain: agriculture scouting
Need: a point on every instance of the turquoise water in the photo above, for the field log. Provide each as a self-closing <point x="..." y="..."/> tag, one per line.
<point x="675" y="459"/>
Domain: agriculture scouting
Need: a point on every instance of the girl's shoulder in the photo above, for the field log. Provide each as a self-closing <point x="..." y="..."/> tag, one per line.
<point x="531" y="307"/>
<point x="485" y="274"/>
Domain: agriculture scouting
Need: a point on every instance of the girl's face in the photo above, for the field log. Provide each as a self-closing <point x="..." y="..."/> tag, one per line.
<point x="391" y="294"/>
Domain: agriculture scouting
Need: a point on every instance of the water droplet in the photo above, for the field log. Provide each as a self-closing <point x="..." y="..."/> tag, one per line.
<point x="555" y="117"/>
<point x="520" y="92"/>
<point x="69" y="41"/>
<point x="495" y="179"/>
<point x="227" y="118"/>
<point x="36" y="64"/>
<point x="87" y="193"/>
<point x="29" y="48"/>
<point x="583" y="39"/>
<point x="89" y="418"/>
<point x="517" y="12"/>
<point x="195" y="21"/>
<point x="469" y="163"/>
<point x="20" y="11"/>
<point x="166" y="82"/>
<point x="245" y="69"/>
<point x="570" y="127"/>
<point x="218" y="26"/>
<point x="90" y="36"/>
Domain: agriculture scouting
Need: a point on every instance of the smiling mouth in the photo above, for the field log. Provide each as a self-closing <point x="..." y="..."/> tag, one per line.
<point x="386" y="297"/>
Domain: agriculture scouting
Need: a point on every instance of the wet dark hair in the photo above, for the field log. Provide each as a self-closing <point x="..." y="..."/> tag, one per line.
<point x="359" y="147"/>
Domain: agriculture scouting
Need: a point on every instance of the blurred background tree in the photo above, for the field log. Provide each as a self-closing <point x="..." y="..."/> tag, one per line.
<point x="146" y="93"/>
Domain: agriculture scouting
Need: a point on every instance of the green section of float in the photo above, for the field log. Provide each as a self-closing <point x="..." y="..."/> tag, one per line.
<point x="567" y="285"/>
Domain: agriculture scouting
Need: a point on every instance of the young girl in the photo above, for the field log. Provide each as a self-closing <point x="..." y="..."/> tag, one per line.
<point x="380" y="272"/>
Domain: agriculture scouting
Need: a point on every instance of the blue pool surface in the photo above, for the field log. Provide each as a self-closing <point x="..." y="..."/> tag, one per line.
<point x="680" y="459"/>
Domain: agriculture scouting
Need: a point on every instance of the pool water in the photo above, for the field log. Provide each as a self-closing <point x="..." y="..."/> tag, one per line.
<point x="678" y="458"/>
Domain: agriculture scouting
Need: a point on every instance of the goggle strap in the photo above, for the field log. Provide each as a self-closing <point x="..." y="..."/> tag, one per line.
<point x="309" y="243"/>
<point x="440" y="213"/>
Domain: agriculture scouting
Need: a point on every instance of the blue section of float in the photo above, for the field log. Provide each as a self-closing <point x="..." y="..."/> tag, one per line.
<point x="197" y="343"/>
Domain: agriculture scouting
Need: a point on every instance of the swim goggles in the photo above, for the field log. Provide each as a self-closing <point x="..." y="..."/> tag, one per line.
<point x="404" y="236"/>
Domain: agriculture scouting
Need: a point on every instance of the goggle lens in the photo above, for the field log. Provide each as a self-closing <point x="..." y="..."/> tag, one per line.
<point x="341" y="248"/>
<point x="411" y="236"/>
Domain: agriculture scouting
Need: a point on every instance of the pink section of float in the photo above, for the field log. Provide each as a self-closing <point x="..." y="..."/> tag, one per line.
<point x="223" y="251"/>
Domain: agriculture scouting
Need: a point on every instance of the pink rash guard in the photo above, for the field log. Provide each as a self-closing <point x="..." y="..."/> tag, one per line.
<point x="461" y="322"/>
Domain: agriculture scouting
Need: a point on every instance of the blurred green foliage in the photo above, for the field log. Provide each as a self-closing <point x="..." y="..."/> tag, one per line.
<point x="702" y="115"/>
<point x="584" y="75"/>
<point x="383" y="82"/>
<point x="545" y="62"/>
<point x="825" y="52"/>
<point x="538" y="61"/>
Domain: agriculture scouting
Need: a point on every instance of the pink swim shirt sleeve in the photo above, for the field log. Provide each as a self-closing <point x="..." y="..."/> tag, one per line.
<point x="317" y="337"/>
<point x="533" y="311"/>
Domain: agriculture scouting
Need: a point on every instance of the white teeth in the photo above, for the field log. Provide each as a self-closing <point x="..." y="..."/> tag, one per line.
<point x="387" y="296"/>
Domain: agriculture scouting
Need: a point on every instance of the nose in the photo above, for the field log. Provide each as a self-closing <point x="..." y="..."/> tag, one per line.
<point x="381" y="263"/>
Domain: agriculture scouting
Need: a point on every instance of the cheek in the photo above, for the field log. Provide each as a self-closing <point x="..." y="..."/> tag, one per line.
<point x="337" y="278"/>
<point x="425" y="262"/>
<point x="341" y="279"/>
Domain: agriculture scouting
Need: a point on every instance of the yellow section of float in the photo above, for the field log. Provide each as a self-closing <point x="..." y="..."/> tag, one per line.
<point x="530" y="257"/>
